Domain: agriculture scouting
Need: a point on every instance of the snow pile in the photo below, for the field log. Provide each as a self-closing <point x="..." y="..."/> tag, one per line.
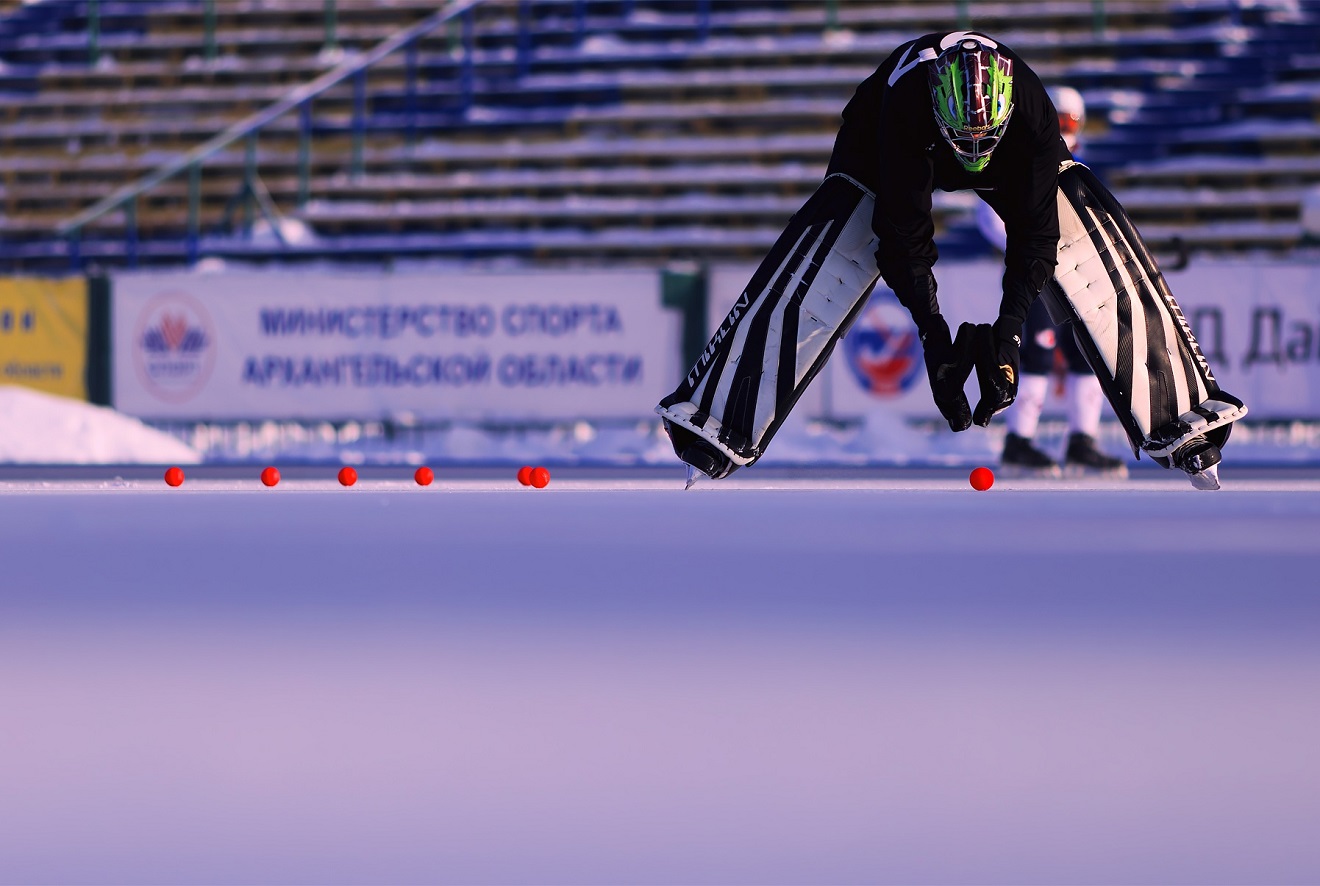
<point x="39" y="428"/>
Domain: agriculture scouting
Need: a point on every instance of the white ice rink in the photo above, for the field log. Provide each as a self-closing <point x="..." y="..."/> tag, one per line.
<point x="611" y="681"/>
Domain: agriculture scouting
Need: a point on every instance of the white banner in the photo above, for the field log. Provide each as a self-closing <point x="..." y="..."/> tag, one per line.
<point x="1258" y="323"/>
<point x="878" y="365"/>
<point x="434" y="346"/>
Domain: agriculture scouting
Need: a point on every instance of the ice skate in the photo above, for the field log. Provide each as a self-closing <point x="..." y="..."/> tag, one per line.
<point x="1199" y="458"/>
<point x="1021" y="459"/>
<point x="703" y="463"/>
<point x="1082" y="459"/>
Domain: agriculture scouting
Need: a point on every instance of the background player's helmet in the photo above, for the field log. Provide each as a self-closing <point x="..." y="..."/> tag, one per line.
<point x="971" y="86"/>
<point x="1072" y="114"/>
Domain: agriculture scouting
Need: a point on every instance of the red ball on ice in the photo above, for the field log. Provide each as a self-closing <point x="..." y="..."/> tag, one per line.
<point x="525" y="475"/>
<point x="270" y="476"/>
<point x="540" y="478"/>
<point x="424" y="476"/>
<point x="347" y="476"/>
<point x="174" y="476"/>
<point x="982" y="479"/>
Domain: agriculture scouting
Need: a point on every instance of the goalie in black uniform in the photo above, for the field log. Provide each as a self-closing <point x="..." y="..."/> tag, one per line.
<point x="993" y="130"/>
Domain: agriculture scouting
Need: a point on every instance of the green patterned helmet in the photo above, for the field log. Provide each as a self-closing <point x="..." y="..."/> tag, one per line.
<point x="971" y="86"/>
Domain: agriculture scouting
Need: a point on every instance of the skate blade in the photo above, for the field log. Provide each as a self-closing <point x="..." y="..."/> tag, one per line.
<point x="703" y="462"/>
<point x="1207" y="479"/>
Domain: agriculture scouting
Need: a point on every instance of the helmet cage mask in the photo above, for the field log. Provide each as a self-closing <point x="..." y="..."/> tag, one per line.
<point x="971" y="88"/>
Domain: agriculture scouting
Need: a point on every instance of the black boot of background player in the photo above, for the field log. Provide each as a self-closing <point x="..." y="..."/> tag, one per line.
<point x="1083" y="457"/>
<point x="1021" y="459"/>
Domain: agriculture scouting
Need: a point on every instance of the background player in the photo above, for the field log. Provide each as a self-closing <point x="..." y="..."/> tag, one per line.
<point x="1042" y="345"/>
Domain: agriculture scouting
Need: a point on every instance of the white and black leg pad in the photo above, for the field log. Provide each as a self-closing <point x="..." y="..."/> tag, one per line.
<point x="1128" y="325"/>
<point x="779" y="333"/>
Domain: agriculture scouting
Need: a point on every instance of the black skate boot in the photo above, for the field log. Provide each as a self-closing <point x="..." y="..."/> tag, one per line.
<point x="1199" y="458"/>
<point x="704" y="460"/>
<point x="1083" y="458"/>
<point x="1021" y="459"/>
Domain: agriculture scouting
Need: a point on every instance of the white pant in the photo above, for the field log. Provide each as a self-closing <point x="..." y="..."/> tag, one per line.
<point x="1082" y="395"/>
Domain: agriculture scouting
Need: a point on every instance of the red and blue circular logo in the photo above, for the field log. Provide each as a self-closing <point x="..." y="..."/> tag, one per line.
<point x="883" y="348"/>
<point x="174" y="347"/>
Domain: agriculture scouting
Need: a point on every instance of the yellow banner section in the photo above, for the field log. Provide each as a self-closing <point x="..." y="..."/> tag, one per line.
<point x="43" y="334"/>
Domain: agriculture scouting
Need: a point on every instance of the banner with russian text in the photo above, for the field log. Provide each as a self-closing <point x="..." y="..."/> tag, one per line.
<point x="462" y="346"/>
<point x="43" y="334"/>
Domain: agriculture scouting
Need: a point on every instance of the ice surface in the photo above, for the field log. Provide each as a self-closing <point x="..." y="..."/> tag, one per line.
<point x="748" y="682"/>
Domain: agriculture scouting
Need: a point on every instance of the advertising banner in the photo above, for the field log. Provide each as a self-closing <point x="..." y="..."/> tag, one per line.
<point x="878" y="364"/>
<point x="461" y="346"/>
<point x="1258" y="323"/>
<point x="43" y="334"/>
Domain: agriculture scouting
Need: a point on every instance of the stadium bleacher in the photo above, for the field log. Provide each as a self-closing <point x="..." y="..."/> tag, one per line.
<point x="596" y="129"/>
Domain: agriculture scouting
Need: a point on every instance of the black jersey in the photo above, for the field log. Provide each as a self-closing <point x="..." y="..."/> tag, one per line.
<point x="890" y="142"/>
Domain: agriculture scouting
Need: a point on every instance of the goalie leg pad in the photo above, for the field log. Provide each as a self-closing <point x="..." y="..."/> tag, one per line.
<point x="779" y="333"/>
<point x="1129" y="326"/>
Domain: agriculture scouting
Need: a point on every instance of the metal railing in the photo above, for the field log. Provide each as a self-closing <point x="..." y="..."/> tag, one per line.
<point x="354" y="69"/>
<point x="331" y="18"/>
<point x="253" y="194"/>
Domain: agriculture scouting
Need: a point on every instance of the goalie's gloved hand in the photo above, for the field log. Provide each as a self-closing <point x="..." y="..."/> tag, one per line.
<point x="949" y="363"/>
<point x="996" y="355"/>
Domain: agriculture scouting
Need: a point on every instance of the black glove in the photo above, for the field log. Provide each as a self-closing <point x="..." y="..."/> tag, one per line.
<point x="949" y="363"/>
<point x="996" y="355"/>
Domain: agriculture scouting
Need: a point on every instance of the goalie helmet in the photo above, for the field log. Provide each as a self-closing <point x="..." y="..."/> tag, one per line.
<point x="971" y="87"/>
